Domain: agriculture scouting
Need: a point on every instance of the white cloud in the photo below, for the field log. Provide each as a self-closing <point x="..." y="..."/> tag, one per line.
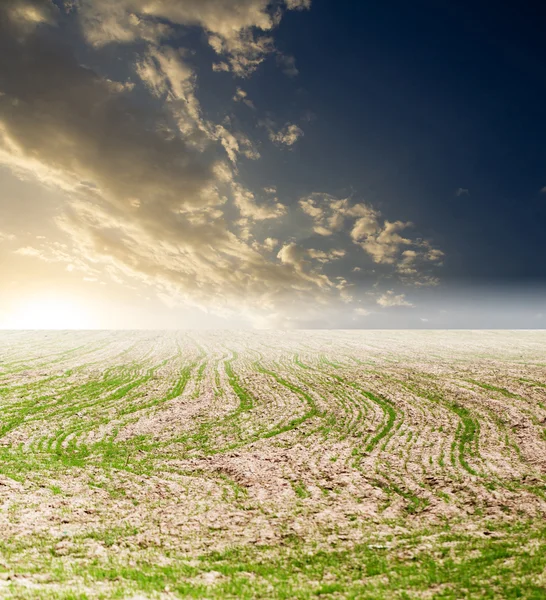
<point x="166" y="74"/>
<point x="235" y="144"/>
<point x="435" y="255"/>
<point x="146" y="190"/>
<point x="271" y="243"/>
<point x="28" y="251"/>
<point x="407" y="264"/>
<point x="246" y="203"/>
<point x="380" y="239"/>
<point x="362" y="228"/>
<point x="390" y="299"/>
<point x="66" y="124"/>
<point x="319" y="230"/>
<point x="309" y="207"/>
<point x="325" y="256"/>
<point x="6" y="237"/>
<point x="287" y="136"/>
<point x="294" y="256"/>
<point x="384" y="245"/>
<point x="242" y="96"/>
<point x="461" y="192"/>
<point x="151" y="191"/>
<point x="298" y="4"/>
<point x="56" y="252"/>
<point x="236" y="29"/>
<point x="221" y="67"/>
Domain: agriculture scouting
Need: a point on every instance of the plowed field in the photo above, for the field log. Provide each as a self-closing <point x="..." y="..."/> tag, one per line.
<point x="349" y="464"/>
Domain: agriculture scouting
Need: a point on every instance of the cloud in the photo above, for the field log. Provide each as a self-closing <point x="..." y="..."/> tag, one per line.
<point x="6" y="237"/>
<point x="147" y="190"/>
<point x="543" y="190"/>
<point x="295" y="256"/>
<point x="242" y="96"/>
<point x="326" y="256"/>
<point x="246" y="203"/>
<point x="287" y="136"/>
<point x="390" y="299"/>
<point x="330" y="215"/>
<point x="434" y="254"/>
<point x="235" y="144"/>
<point x="320" y="230"/>
<point x="407" y="263"/>
<point x="150" y="187"/>
<point x="28" y="251"/>
<point x="245" y="53"/>
<point x="61" y="120"/>
<point x="166" y="73"/>
<point x="271" y="243"/>
<point x="363" y="227"/>
<point x="57" y="252"/>
<point x="381" y="239"/>
<point x="461" y="192"/>
<point x="287" y="63"/>
<point x="298" y="4"/>
<point x="310" y="207"/>
<point x="384" y="244"/>
<point x="235" y="29"/>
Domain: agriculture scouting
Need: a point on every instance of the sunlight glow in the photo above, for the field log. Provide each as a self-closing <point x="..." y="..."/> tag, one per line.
<point x="49" y="313"/>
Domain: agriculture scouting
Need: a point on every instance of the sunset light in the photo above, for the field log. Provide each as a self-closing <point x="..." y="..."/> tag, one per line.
<point x="49" y="312"/>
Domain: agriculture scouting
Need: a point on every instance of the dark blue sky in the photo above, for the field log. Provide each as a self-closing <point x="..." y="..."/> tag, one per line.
<point x="416" y="100"/>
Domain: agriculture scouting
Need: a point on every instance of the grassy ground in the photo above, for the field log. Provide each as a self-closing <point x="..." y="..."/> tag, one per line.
<point x="302" y="465"/>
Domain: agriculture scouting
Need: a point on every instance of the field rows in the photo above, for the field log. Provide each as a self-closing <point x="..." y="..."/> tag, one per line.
<point x="289" y="464"/>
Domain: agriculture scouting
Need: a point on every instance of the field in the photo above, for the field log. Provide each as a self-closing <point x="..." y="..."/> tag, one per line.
<point x="273" y="464"/>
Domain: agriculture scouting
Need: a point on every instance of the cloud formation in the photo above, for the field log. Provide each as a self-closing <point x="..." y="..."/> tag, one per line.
<point x="390" y="299"/>
<point x="237" y="30"/>
<point x="242" y="96"/>
<point x="287" y="63"/>
<point x="287" y="136"/>
<point x="152" y="193"/>
<point x="380" y="238"/>
<point x="147" y="197"/>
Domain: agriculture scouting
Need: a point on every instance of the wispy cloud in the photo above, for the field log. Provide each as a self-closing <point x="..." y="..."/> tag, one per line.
<point x="389" y="299"/>
<point x="286" y="136"/>
<point x="151" y="185"/>
<point x="381" y="239"/>
<point x="242" y="96"/>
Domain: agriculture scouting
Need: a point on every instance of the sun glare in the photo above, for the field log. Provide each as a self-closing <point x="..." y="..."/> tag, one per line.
<point x="49" y="313"/>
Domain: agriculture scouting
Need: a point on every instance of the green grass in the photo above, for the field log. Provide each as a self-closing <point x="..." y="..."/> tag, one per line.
<point x="494" y="388"/>
<point x="441" y="562"/>
<point x="334" y="444"/>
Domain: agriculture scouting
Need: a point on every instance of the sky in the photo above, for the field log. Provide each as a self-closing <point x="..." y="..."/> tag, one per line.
<point x="272" y="164"/>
